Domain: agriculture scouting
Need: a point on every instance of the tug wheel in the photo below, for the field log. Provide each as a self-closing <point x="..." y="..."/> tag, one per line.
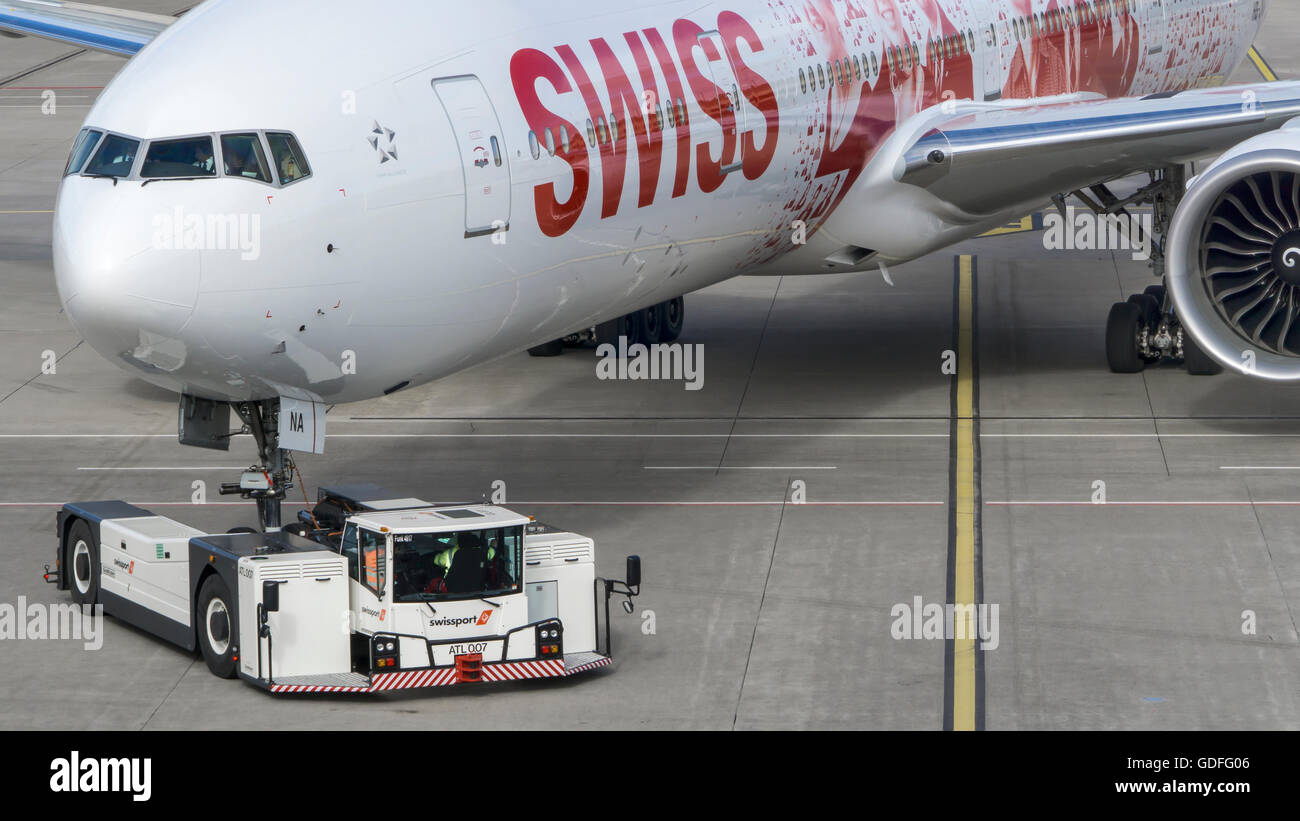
<point x="218" y="627"/>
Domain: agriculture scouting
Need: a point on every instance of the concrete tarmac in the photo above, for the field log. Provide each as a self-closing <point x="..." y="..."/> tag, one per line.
<point x="767" y="614"/>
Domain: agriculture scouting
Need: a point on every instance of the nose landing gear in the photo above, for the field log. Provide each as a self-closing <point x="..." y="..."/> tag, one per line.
<point x="269" y="482"/>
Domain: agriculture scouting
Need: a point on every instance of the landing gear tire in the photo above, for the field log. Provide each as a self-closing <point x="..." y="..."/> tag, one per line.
<point x="81" y="557"/>
<point x="218" y="627"/>
<point x="1149" y="306"/>
<point x="237" y="530"/>
<point x="1197" y="361"/>
<point x="629" y="327"/>
<point x="674" y="318"/>
<point x="652" y="325"/>
<point x="1156" y="292"/>
<point x="1122" y="327"/>
<point x="549" y="349"/>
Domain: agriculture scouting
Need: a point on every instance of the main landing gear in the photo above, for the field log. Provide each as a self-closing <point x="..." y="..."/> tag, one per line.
<point x="649" y="326"/>
<point x="1144" y="329"/>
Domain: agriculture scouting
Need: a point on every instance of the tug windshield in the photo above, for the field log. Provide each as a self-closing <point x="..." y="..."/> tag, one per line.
<point x="468" y="564"/>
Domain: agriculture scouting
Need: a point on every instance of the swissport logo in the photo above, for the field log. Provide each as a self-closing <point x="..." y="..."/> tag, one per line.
<point x="482" y="619"/>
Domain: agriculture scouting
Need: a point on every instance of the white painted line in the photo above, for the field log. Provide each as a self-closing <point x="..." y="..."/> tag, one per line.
<point x="172" y="436"/>
<point x="747" y="467"/>
<point x="775" y="503"/>
<point x="210" y="467"/>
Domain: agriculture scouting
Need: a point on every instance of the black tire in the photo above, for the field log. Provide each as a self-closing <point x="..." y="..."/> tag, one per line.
<point x="237" y="530"/>
<point x="1121" y="338"/>
<point x="652" y="325"/>
<point x="608" y="333"/>
<point x="218" y="627"/>
<point x="674" y="314"/>
<point x="554" y="348"/>
<point x="1197" y="361"/>
<point x="1156" y="292"/>
<point x="81" y="558"/>
<point x="1149" y="306"/>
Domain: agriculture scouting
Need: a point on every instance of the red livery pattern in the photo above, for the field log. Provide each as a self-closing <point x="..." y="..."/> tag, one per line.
<point x="749" y="113"/>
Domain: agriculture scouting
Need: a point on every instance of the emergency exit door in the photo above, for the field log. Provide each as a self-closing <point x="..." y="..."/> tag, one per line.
<point x="482" y="154"/>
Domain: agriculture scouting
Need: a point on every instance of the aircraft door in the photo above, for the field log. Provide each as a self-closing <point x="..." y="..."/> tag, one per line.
<point x="724" y="77"/>
<point x="484" y="160"/>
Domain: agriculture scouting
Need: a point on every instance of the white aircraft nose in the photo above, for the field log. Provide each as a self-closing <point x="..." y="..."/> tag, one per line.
<point x="126" y="285"/>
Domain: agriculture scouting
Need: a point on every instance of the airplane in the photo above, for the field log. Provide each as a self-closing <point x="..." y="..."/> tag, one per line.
<point x="299" y="204"/>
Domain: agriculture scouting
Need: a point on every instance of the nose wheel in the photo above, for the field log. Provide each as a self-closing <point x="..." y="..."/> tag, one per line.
<point x="266" y="484"/>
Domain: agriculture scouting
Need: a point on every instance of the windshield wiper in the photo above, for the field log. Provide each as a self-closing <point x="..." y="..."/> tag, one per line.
<point x="103" y="177"/>
<point x="169" y="179"/>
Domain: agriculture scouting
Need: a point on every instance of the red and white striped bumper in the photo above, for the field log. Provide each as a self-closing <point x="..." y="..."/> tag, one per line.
<point x="444" y="676"/>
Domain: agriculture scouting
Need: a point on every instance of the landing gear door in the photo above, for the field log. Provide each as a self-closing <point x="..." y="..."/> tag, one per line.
<point x="724" y="77"/>
<point x="482" y="154"/>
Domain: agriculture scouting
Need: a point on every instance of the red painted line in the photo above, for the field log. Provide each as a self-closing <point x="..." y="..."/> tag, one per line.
<point x="1147" y="504"/>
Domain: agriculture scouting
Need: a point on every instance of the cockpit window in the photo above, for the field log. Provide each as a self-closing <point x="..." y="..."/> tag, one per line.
<point x="172" y="159"/>
<point x="86" y="142"/>
<point x="242" y="156"/>
<point x="115" y="157"/>
<point x="289" y="159"/>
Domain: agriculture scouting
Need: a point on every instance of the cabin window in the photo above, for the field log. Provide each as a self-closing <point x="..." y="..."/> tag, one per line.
<point x="242" y="156"/>
<point x="374" y="560"/>
<point x="534" y="146"/>
<point x="564" y="139"/>
<point x="591" y="133"/>
<point x="179" y="159"/>
<point x="549" y="137"/>
<point x="857" y="68"/>
<point x="81" y="150"/>
<point x="290" y="161"/>
<point x="803" y="82"/>
<point x="821" y="77"/>
<point x="602" y="135"/>
<point x="116" y="157"/>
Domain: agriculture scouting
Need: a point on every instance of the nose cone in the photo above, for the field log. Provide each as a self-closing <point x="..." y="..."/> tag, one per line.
<point x="127" y="286"/>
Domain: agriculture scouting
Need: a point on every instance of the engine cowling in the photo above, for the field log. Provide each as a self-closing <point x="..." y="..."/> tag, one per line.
<point x="1233" y="257"/>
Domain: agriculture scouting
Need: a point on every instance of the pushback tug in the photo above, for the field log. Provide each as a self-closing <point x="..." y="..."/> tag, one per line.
<point x="366" y="593"/>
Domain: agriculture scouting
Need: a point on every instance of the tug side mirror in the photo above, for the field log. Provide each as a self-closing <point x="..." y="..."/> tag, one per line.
<point x="271" y="597"/>
<point x="633" y="571"/>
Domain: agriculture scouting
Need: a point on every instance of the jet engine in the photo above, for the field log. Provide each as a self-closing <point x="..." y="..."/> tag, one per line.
<point x="1233" y="257"/>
